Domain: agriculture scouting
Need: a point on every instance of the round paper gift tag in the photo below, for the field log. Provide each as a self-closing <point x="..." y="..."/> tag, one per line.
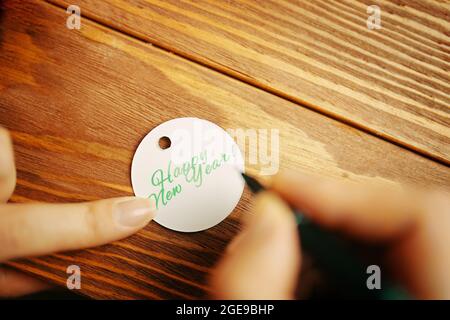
<point x="192" y="169"/>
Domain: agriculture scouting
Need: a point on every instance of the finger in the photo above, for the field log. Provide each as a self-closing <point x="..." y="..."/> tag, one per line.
<point x="16" y="284"/>
<point x="422" y="259"/>
<point x="7" y="167"/>
<point x="373" y="213"/>
<point x="263" y="262"/>
<point x="37" y="229"/>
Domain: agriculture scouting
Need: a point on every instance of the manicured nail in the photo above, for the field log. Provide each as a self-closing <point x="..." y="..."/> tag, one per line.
<point x="135" y="213"/>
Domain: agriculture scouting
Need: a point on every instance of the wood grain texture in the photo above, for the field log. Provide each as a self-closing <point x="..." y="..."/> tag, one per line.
<point x="79" y="102"/>
<point x="392" y="82"/>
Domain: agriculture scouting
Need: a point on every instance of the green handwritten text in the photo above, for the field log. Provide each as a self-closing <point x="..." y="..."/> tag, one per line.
<point x="193" y="172"/>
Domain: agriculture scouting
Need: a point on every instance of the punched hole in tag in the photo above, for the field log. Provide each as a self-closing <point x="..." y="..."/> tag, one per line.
<point x="164" y="142"/>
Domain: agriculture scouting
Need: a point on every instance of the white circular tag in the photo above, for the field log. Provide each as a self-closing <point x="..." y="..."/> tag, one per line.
<point x="196" y="181"/>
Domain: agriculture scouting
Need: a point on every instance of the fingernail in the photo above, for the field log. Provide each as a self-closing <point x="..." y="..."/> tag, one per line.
<point x="135" y="213"/>
<point x="257" y="226"/>
<point x="270" y="217"/>
<point x="236" y="241"/>
<point x="266" y="215"/>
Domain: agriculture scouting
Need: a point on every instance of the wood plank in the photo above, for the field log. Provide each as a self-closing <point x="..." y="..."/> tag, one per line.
<point x="392" y="82"/>
<point x="79" y="102"/>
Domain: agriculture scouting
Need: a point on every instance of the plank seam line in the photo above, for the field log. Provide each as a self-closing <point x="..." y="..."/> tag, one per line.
<point x="246" y="79"/>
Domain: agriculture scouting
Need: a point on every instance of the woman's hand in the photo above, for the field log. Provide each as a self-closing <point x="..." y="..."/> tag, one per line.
<point x="263" y="261"/>
<point x="41" y="228"/>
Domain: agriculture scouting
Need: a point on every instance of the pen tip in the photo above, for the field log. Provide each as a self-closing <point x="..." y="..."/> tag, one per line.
<point x="252" y="183"/>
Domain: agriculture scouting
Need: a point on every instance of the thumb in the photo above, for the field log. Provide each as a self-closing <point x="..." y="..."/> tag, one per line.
<point x="263" y="261"/>
<point x="7" y="166"/>
<point x="41" y="228"/>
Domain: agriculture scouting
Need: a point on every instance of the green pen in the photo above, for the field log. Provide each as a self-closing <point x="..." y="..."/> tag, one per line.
<point x="337" y="258"/>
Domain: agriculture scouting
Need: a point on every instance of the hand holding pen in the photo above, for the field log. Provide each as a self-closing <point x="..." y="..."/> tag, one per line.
<point x="263" y="262"/>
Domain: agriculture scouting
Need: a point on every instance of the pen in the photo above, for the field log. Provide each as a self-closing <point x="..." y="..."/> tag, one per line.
<point x="337" y="258"/>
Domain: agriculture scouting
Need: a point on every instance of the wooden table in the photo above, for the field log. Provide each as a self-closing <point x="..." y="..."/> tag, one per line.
<point x="349" y="102"/>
